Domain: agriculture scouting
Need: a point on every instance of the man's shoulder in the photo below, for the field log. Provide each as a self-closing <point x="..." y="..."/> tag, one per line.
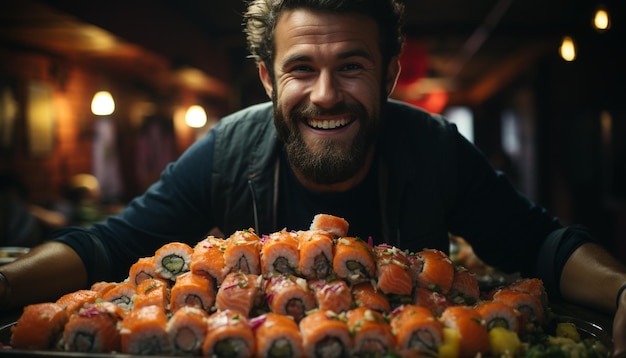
<point x="253" y="115"/>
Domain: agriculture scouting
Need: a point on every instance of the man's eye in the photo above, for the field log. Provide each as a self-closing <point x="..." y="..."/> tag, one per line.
<point x="301" y="68"/>
<point x="351" y="67"/>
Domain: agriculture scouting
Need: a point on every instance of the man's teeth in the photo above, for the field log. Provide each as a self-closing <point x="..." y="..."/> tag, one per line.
<point x="328" y="124"/>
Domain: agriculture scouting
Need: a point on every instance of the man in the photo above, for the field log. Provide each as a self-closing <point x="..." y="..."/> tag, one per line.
<point x="332" y="142"/>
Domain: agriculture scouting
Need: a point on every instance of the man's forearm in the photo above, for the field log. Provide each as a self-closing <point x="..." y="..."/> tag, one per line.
<point x="44" y="274"/>
<point x="592" y="277"/>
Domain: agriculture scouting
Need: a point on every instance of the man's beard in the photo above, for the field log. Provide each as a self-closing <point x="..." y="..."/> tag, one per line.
<point x="331" y="163"/>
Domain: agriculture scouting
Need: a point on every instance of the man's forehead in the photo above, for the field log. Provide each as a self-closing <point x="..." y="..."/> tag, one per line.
<point x="347" y="32"/>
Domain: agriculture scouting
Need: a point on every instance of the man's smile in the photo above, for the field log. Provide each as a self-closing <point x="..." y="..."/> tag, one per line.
<point x="333" y="123"/>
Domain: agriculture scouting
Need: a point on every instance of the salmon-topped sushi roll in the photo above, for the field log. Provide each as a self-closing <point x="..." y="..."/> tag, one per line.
<point x="122" y="295"/>
<point x="499" y="314"/>
<point x="316" y="254"/>
<point x="242" y="252"/>
<point x="276" y="336"/>
<point x="470" y="328"/>
<point x="239" y="292"/>
<point x="331" y="295"/>
<point x="102" y="287"/>
<point x="532" y="286"/>
<point x="465" y="289"/>
<point x="192" y="290"/>
<point x="229" y="334"/>
<point x="208" y="259"/>
<point x="325" y="334"/>
<point x="143" y="332"/>
<point x="353" y="260"/>
<point x="289" y="295"/>
<point x="335" y="225"/>
<point x="436" y="302"/>
<point x="94" y="329"/>
<point x="417" y="331"/>
<point x="366" y="295"/>
<point x="172" y="259"/>
<point x="142" y="269"/>
<point x="186" y="329"/>
<point x="150" y="292"/>
<point x="437" y="271"/>
<point x="393" y="275"/>
<point x="279" y="253"/>
<point x="529" y="306"/>
<point x="39" y="327"/>
<point x="372" y="335"/>
<point x="73" y="301"/>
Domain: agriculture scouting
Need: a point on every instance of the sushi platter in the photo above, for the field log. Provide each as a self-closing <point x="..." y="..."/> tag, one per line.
<point x="308" y="293"/>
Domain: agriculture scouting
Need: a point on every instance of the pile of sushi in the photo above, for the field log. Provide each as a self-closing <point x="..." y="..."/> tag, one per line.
<point x="309" y="293"/>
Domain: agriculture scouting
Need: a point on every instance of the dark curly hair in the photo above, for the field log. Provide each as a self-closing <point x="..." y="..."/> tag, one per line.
<point x="262" y="15"/>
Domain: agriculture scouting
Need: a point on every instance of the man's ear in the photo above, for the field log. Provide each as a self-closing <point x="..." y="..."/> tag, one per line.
<point x="266" y="79"/>
<point x="393" y="71"/>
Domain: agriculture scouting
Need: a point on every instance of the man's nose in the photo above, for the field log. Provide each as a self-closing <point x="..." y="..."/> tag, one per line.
<point x="325" y="92"/>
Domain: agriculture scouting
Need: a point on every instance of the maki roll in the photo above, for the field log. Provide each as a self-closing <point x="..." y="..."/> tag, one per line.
<point x="142" y="269"/>
<point x="353" y="260"/>
<point x="94" y="329"/>
<point x="289" y="295"/>
<point x="325" y="334"/>
<point x="436" y="302"/>
<point x="39" y="327"/>
<point x="172" y="259"/>
<point x="372" y="335"/>
<point x="366" y="295"/>
<point x="334" y="225"/>
<point x="436" y="270"/>
<point x="470" y="328"/>
<point x="316" y="254"/>
<point x="208" y="259"/>
<point x="279" y="253"/>
<point x="122" y="295"/>
<point x="499" y="314"/>
<point x="465" y="289"/>
<point x="332" y="295"/>
<point x="192" y="290"/>
<point x="143" y="332"/>
<point x="186" y="330"/>
<point x="229" y="334"/>
<point x="277" y="336"/>
<point x="242" y="252"/>
<point x="239" y="292"/>
<point x="151" y="292"/>
<point x="393" y="275"/>
<point x="73" y="301"/>
<point x="417" y="331"/>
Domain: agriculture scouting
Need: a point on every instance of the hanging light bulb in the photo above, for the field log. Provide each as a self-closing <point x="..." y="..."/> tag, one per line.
<point x="568" y="49"/>
<point x="195" y="117"/>
<point x="601" y="20"/>
<point x="102" y="104"/>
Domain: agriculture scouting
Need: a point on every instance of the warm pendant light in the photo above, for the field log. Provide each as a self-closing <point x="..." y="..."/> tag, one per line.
<point x="195" y="117"/>
<point x="568" y="49"/>
<point x="102" y="104"/>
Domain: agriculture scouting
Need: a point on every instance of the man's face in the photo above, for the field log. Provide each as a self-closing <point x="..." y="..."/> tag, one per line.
<point x="328" y="91"/>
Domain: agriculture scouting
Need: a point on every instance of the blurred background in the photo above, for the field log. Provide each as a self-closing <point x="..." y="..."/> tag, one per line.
<point x="538" y="86"/>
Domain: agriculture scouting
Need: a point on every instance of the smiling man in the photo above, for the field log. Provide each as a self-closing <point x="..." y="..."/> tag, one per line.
<point x="331" y="142"/>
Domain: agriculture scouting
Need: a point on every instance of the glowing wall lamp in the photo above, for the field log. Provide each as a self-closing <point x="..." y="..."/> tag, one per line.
<point x="568" y="49"/>
<point x="601" y="19"/>
<point x="102" y="104"/>
<point x="195" y="117"/>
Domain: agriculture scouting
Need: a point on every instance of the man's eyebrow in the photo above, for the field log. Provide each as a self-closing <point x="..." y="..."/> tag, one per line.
<point x="341" y="56"/>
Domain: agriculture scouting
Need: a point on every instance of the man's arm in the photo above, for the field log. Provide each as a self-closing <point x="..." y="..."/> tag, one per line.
<point x="592" y="277"/>
<point x="44" y="274"/>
